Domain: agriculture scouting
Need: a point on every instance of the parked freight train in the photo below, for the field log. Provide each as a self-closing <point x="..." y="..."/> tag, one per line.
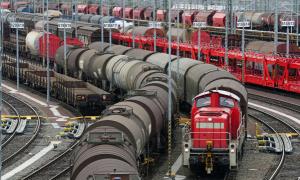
<point x="260" y="68"/>
<point x="218" y="114"/>
<point x="212" y="16"/>
<point x="143" y="77"/>
<point x="122" y="145"/>
<point x="93" y="32"/>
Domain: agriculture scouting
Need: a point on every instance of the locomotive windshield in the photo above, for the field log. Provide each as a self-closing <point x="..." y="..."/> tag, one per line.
<point x="203" y="102"/>
<point x="226" y="102"/>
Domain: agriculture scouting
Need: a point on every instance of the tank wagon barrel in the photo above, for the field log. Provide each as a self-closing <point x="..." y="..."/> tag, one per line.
<point x="127" y="127"/>
<point x="130" y="124"/>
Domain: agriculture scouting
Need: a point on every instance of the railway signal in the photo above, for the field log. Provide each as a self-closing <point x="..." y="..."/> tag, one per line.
<point x="65" y="25"/>
<point x="110" y="26"/>
<point x="243" y="24"/>
<point x="199" y="25"/>
<point x="287" y="24"/>
<point x="17" y="26"/>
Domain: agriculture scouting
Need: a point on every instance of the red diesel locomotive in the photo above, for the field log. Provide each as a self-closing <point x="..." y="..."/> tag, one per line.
<point x="217" y="132"/>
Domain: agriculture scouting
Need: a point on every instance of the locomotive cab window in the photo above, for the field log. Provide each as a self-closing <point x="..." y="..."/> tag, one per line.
<point x="226" y="102"/>
<point x="203" y="102"/>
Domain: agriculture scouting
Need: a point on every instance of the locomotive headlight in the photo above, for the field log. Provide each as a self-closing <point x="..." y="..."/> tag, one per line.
<point x="232" y="148"/>
<point x="186" y="148"/>
<point x="104" y="97"/>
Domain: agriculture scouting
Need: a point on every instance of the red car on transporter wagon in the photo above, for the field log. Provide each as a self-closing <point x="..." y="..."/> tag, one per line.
<point x="216" y="133"/>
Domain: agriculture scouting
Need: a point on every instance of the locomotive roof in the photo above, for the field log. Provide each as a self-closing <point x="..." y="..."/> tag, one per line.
<point x="226" y="93"/>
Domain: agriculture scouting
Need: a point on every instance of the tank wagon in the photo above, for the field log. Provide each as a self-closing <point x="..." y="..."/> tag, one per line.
<point x="131" y="124"/>
<point x="122" y="146"/>
<point x="211" y="50"/>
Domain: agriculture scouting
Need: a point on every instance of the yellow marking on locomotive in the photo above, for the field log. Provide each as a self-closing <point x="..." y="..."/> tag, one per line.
<point x="148" y="161"/>
<point x="209" y="145"/>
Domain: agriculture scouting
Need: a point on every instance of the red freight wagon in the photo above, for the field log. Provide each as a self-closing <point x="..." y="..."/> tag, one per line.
<point x="72" y="41"/>
<point x="54" y="44"/>
<point x="205" y="16"/>
<point x="117" y="12"/>
<point x="205" y="37"/>
<point x="267" y="20"/>
<point x="176" y="13"/>
<point x="188" y="17"/>
<point x="138" y="13"/>
<point x="161" y="15"/>
<point x="129" y="12"/>
<point x="5" y="5"/>
<point x="148" y="13"/>
<point x="94" y="9"/>
<point x="219" y="19"/>
<point x="83" y="8"/>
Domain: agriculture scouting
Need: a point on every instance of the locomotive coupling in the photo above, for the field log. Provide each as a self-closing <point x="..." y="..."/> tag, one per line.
<point x="208" y="145"/>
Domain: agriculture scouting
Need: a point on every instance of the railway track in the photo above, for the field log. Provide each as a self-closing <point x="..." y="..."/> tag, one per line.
<point x="276" y="102"/>
<point x="55" y="168"/>
<point x="19" y="143"/>
<point x="274" y="125"/>
<point x="9" y="137"/>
